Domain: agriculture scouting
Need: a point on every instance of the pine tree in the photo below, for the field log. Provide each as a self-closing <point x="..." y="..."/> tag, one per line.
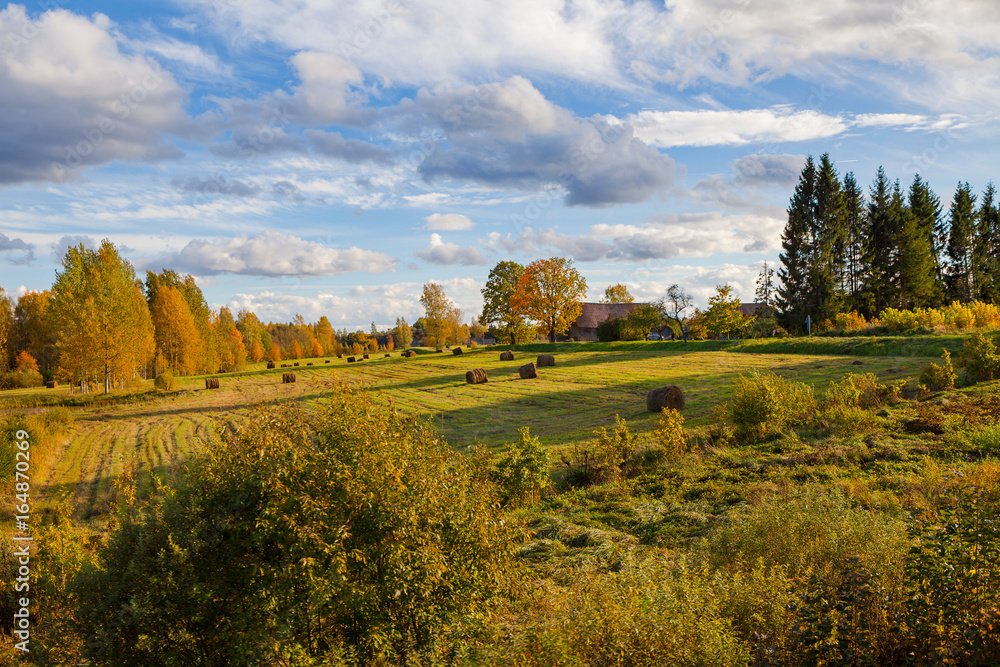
<point x="879" y="292"/>
<point x="987" y="255"/>
<point x="828" y="239"/>
<point x="926" y="209"/>
<point x="914" y="257"/>
<point x="854" y="227"/>
<point x="793" y="295"/>
<point x="961" y="245"/>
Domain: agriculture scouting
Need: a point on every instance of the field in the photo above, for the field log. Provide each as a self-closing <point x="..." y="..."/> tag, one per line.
<point x="154" y="433"/>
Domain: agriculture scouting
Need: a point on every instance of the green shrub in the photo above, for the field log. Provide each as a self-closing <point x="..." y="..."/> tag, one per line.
<point x="299" y="538"/>
<point x="986" y="439"/>
<point x="605" y="461"/>
<point x="766" y="404"/>
<point x="979" y="358"/>
<point x="939" y="378"/>
<point x="165" y="381"/>
<point x="670" y="435"/>
<point x="23" y="379"/>
<point x="522" y="471"/>
<point x="861" y="391"/>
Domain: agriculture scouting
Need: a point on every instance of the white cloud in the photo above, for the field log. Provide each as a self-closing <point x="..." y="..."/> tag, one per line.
<point x="449" y="222"/>
<point x="446" y="254"/>
<point x="734" y="128"/>
<point x="272" y="254"/>
<point x="72" y="99"/>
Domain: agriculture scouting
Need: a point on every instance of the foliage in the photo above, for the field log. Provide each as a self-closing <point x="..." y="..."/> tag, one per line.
<point x="605" y="461"/>
<point x="723" y="315"/>
<point x="176" y="335"/>
<point x="852" y="321"/>
<point x="549" y="292"/>
<point x="765" y="404"/>
<point x="861" y="391"/>
<point x="33" y="329"/>
<point x="673" y="306"/>
<point x="938" y="378"/>
<point x="670" y="434"/>
<point x="357" y="531"/>
<point x="498" y="310"/>
<point x="609" y="330"/>
<point x="442" y="318"/>
<point x="617" y="293"/>
<point x="639" y="321"/>
<point x="165" y="381"/>
<point x="104" y="330"/>
<point x="615" y="449"/>
<point x="980" y="357"/>
<point x="522" y="471"/>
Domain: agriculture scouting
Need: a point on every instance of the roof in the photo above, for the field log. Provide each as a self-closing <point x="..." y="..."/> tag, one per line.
<point x="748" y="309"/>
<point x="595" y="313"/>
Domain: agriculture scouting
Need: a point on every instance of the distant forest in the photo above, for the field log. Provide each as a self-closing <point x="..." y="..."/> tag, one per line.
<point x="894" y="248"/>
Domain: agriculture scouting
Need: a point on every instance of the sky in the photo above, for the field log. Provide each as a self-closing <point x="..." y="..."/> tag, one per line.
<point x="329" y="158"/>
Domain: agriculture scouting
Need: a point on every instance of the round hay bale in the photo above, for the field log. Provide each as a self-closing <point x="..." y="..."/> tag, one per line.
<point x="270" y="364"/>
<point x="507" y="356"/>
<point x="457" y="350"/>
<point x="309" y="364"/>
<point x="287" y="378"/>
<point x="211" y="383"/>
<point x="351" y="360"/>
<point x="326" y="361"/>
<point x="387" y="355"/>
<point x="51" y="384"/>
<point x="527" y="371"/>
<point x="295" y="364"/>
<point x="366" y="355"/>
<point x="669" y="396"/>
<point x="545" y="360"/>
<point x="476" y="376"/>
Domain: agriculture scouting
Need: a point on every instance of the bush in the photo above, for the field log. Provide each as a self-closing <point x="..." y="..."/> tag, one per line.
<point x="165" y="381"/>
<point x="764" y="404"/>
<point x="861" y="391"/>
<point x="356" y="520"/>
<point x="670" y="434"/>
<point x="939" y="378"/>
<point x="522" y="472"/>
<point x="23" y="379"/>
<point x="979" y="358"/>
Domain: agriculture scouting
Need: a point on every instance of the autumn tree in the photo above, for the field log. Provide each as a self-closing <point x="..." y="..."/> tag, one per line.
<point x="33" y="330"/>
<point x="6" y="329"/>
<point x="498" y="312"/>
<point x="255" y="335"/>
<point x="103" y="327"/>
<point x="549" y="292"/>
<point x="296" y="351"/>
<point x="207" y="355"/>
<point x="176" y="335"/>
<point x="617" y="293"/>
<point x="442" y="318"/>
<point x="232" y="353"/>
<point x="402" y="333"/>
<point x="673" y="306"/>
<point x="639" y="322"/>
<point x="723" y="315"/>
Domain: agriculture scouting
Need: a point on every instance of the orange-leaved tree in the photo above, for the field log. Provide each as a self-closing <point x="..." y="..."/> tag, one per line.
<point x="549" y="292"/>
<point x="176" y="335"/>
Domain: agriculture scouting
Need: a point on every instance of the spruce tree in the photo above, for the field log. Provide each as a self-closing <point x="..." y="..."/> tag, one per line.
<point x="854" y="227"/>
<point x="914" y="261"/>
<point x="961" y="245"/>
<point x="828" y="238"/>
<point x="879" y="290"/>
<point x="926" y="209"/>
<point x="987" y="253"/>
<point x="793" y="295"/>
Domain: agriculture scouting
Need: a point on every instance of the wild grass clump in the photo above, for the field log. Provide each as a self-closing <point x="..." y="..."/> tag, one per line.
<point x="649" y="614"/>
<point x="605" y="460"/>
<point x="986" y="439"/>
<point x="765" y="404"/>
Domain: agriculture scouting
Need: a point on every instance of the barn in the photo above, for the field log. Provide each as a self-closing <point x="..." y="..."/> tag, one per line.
<point x="585" y="326"/>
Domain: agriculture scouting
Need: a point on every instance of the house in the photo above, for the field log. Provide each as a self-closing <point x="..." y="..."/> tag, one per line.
<point x="750" y="309"/>
<point x="585" y="326"/>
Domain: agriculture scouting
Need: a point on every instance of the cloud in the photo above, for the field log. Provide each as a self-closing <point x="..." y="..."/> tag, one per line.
<point x="215" y="186"/>
<point x="515" y="138"/>
<point x="449" y="222"/>
<point x="68" y="241"/>
<point x="72" y="99"/>
<point x="447" y="254"/>
<point x="272" y="254"/>
<point x="769" y="169"/>
<point x="17" y="251"/>
<point x="332" y="144"/>
<point x="734" y="128"/>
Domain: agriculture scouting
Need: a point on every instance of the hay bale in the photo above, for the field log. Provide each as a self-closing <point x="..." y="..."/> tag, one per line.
<point x="270" y="364"/>
<point x="507" y="356"/>
<point x="457" y="350"/>
<point x="527" y="371"/>
<point x="287" y="378"/>
<point x="409" y="353"/>
<point x="296" y="363"/>
<point x="351" y="360"/>
<point x="476" y="376"/>
<point x="309" y="364"/>
<point x="387" y="355"/>
<point x="326" y="361"/>
<point x="366" y="355"/>
<point x="211" y="383"/>
<point x="670" y="396"/>
<point x="545" y="360"/>
<point x="51" y="384"/>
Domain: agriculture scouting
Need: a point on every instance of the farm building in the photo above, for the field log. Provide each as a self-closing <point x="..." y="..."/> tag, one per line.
<point x="585" y="326"/>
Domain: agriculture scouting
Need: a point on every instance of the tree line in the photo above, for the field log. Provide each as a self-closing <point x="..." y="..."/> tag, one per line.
<point x="844" y="250"/>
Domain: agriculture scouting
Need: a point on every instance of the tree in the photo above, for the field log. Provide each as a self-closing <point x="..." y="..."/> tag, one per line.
<point x="764" y="321"/>
<point x="33" y="330"/>
<point x="723" y="315"/>
<point x="853" y="199"/>
<point x="987" y="250"/>
<point x="827" y="241"/>
<point x="296" y="351"/>
<point x="797" y="251"/>
<point x="961" y="245"/>
<point x="879" y="290"/>
<point x="926" y="209"/>
<point x="402" y="333"/>
<point x="103" y="327"/>
<point x="232" y="353"/>
<point x="207" y="359"/>
<point x="476" y="329"/>
<point x="617" y="293"/>
<point x="549" y="292"/>
<point x="639" y="321"/>
<point x="6" y="330"/>
<point x="673" y="306"/>
<point x="498" y="311"/>
<point x="914" y="263"/>
<point x="442" y="318"/>
<point x="175" y="333"/>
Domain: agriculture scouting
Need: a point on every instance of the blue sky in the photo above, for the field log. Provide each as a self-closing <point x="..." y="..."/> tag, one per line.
<point x="330" y="158"/>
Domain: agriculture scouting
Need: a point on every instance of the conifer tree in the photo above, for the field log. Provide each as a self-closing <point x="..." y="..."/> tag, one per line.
<point x="828" y="238"/>
<point x="854" y="245"/>
<point x="961" y="245"/>
<point x="914" y="257"/>
<point x="987" y="255"/>
<point x="793" y="295"/>
<point x="879" y="291"/>
<point x="926" y="209"/>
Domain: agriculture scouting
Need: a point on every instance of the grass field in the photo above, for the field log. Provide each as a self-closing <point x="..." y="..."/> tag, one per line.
<point x="154" y="433"/>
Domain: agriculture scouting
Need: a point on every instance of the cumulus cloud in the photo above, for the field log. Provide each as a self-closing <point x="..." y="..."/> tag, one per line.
<point x="449" y="222"/>
<point x="72" y="99"/>
<point x="516" y="138"/>
<point x="332" y="144"/>
<point x="68" y="241"/>
<point x="16" y="250"/>
<point x="769" y="169"/>
<point x="447" y="254"/>
<point x="272" y="254"/>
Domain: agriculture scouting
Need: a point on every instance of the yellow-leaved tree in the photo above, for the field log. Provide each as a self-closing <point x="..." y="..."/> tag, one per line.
<point x="176" y="334"/>
<point x="550" y="292"/>
<point x="617" y="293"/>
<point x="442" y="319"/>
<point x="104" y="331"/>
